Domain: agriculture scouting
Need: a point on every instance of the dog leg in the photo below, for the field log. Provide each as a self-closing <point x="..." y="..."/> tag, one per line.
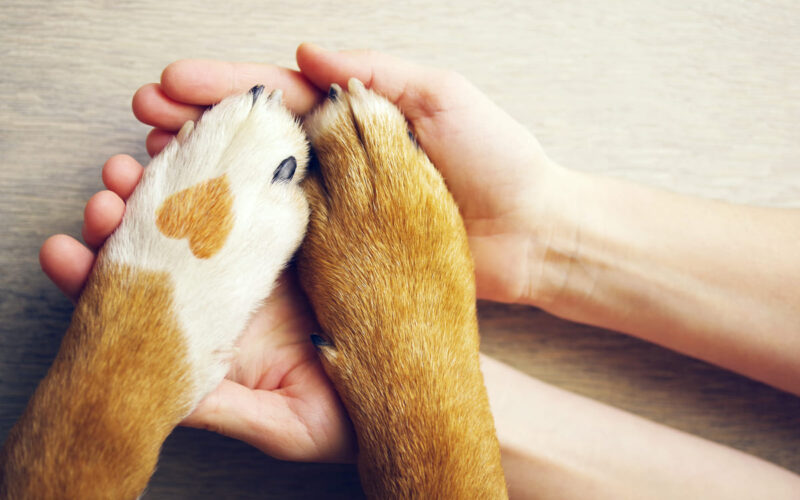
<point x="387" y="268"/>
<point x="213" y="221"/>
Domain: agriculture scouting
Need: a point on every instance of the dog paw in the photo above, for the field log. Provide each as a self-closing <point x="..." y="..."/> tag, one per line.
<point x="387" y="268"/>
<point x="386" y="251"/>
<point x="213" y="221"/>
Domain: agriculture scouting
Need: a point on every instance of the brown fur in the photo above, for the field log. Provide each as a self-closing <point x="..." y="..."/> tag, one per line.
<point x="387" y="268"/>
<point x="95" y="425"/>
<point x="201" y="213"/>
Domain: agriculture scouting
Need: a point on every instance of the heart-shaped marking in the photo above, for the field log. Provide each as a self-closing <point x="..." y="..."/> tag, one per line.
<point x="202" y="213"/>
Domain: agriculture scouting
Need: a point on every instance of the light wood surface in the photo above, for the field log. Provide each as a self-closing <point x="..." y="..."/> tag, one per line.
<point x="696" y="97"/>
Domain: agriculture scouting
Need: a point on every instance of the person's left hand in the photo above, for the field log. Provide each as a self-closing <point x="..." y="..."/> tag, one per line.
<point x="276" y="396"/>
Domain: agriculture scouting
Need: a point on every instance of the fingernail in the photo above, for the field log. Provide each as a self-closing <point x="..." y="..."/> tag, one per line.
<point x="314" y="46"/>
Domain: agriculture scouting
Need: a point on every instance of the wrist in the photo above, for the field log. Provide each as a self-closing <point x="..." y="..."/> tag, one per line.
<point x="555" y="277"/>
<point x="593" y="247"/>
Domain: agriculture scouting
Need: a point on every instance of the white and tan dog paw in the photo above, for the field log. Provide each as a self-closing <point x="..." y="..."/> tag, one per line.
<point x="217" y="214"/>
<point x="213" y="221"/>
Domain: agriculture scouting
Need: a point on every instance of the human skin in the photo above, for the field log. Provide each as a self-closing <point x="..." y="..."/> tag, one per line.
<point x="524" y="241"/>
<point x="705" y="278"/>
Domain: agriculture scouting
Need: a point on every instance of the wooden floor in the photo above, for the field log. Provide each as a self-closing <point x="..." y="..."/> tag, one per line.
<point x="700" y="98"/>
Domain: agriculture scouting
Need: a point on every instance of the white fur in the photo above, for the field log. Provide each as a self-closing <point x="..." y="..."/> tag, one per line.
<point x="215" y="297"/>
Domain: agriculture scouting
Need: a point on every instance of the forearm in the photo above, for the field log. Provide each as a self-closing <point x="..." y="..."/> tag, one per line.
<point x="712" y="280"/>
<point x="559" y="445"/>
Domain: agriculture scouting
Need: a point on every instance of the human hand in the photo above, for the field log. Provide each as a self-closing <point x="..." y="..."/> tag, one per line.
<point x="502" y="181"/>
<point x="494" y="167"/>
<point x="276" y="395"/>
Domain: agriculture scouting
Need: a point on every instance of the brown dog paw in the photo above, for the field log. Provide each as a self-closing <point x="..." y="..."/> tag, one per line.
<point x="386" y="246"/>
<point x="387" y="268"/>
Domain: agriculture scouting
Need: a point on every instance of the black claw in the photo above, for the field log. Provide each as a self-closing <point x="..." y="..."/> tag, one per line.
<point x="285" y="170"/>
<point x="333" y="93"/>
<point x="413" y="139"/>
<point x="319" y="341"/>
<point x="313" y="162"/>
<point x="256" y="91"/>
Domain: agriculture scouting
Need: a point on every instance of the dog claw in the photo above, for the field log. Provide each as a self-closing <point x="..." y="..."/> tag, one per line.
<point x="185" y="131"/>
<point x="285" y="170"/>
<point x="334" y="91"/>
<point x="354" y="85"/>
<point x="276" y="95"/>
<point x="413" y="139"/>
<point x="319" y="341"/>
<point x="256" y="91"/>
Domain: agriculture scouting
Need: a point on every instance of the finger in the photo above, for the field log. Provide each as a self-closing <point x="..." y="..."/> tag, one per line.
<point x="102" y="215"/>
<point x="67" y="263"/>
<point x="121" y="174"/>
<point x="152" y="106"/>
<point x="204" y="82"/>
<point x="260" y="418"/>
<point x="412" y="87"/>
<point x="157" y="140"/>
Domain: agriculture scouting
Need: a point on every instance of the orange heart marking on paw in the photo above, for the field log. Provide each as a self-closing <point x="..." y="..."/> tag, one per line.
<point x="201" y="213"/>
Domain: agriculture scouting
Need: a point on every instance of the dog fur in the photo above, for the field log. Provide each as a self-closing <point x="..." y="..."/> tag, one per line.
<point x="388" y="271"/>
<point x="216" y="216"/>
<point x="213" y="221"/>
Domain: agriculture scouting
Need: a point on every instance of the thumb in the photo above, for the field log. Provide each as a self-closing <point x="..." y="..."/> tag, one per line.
<point x="413" y="88"/>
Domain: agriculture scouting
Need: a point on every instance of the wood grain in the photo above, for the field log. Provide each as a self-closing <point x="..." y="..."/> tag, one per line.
<point x="701" y="98"/>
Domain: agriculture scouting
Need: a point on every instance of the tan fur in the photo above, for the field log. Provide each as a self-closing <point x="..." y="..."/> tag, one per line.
<point x="201" y="213"/>
<point x="387" y="268"/>
<point x="110" y="399"/>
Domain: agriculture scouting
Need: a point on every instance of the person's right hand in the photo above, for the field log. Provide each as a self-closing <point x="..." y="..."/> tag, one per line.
<point x="493" y="166"/>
